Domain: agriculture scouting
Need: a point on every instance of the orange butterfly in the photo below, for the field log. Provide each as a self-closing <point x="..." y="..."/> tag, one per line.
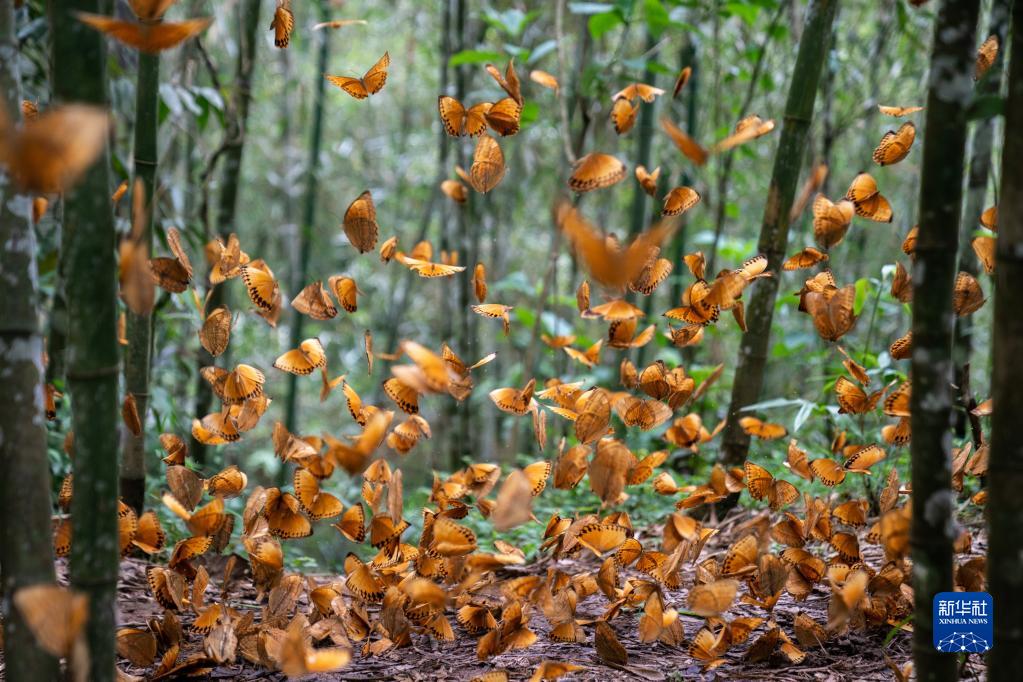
<point x="50" y="152"/>
<point x="596" y="171"/>
<point x="831" y="221"/>
<point x="303" y="360"/>
<point x="762" y="484"/>
<point x="487" y="168"/>
<point x="283" y="23"/>
<point x="146" y="36"/>
<point x="369" y="84"/>
<point x="895" y="145"/>
<point x="360" y="223"/>
<point x="679" y="200"/>
<point x="648" y="179"/>
<point x="986" y="56"/>
<point x="459" y="120"/>
<point x="868" y="201"/>
<point x="762" y="429"/>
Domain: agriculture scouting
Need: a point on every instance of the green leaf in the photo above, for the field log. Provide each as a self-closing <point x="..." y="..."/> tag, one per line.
<point x="600" y="24"/>
<point x="530" y="112"/>
<point x="772" y="404"/>
<point x="863" y="287"/>
<point x="746" y="12"/>
<point x="474" y="57"/>
<point x="657" y="18"/>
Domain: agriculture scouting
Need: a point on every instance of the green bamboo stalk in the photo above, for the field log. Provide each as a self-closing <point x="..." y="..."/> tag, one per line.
<point x="26" y="557"/>
<point x="139" y="328"/>
<point x="305" y="234"/>
<point x="950" y="89"/>
<point x="227" y="203"/>
<point x="1005" y="479"/>
<point x="93" y="368"/>
<point x="774" y="231"/>
<point x="976" y="194"/>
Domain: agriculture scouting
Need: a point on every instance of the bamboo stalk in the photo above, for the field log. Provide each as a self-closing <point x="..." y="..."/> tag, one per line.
<point x="93" y="368"/>
<point x="774" y="231"/>
<point x="139" y="328"/>
<point x="933" y="531"/>
<point x="1005" y="480"/>
<point x="25" y="554"/>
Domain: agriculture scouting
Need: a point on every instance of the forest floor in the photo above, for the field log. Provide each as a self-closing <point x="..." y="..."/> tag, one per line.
<point x="853" y="656"/>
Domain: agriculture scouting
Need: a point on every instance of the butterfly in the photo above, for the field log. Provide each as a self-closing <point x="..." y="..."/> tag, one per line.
<point x="895" y="145"/>
<point x="984" y="248"/>
<point x="806" y="258"/>
<point x="747" y="129"/>
<point x="611" y="264"/>
<point x="316" y="503"/>
<point x="987" y="53"/>
<point x="623" y="115"/>
<point x="314" y="301"/>
<point x="360" y="223"/>
<point x="172" y="274"/>
<point x="596" y="171"/>
<point x="459" y="120"/>
<point x="487" y="168"/>
<point x="50" y="152"/>
<point x="681" y="80"/>
<point x="340" y="23"/>
<point x="261" y="286"/>
<point x="454" y="190"/>
<point x="303" y="360"/>
<point x="831" y="310"/>
<point x="514" y="400"/>
<point x="346" y="291"/>
<point x="544" y="79"/>
<point x="868" y="201"/>
<point x="762" y="485"/>
<point x="146" y="36"/>
<point x="495" y="311"/>
<point x="648" y="179"/>
<point x="967" y="296"/>
<point x="854" y="400"/>
<point x="509" y="82"/>
<point x="283" y="23"/>
<point x="679" y="200"/>
<point x="831" y="220"/>
<point x="479" y="282"/>
<point x="646" y="414"/>
<point x="902" y="284"/>
<point x="589" y="357"/>
<point x="898" y="112"/>
<point x="622" y="334"/>
<point x="370" y="84"/>
<point x="761" y="429"/>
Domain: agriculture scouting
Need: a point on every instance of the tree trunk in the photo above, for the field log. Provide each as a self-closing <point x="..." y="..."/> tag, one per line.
<point x="79" y="75"/>
<point x="933" y="531"/>
<point x="248" y="23"/>
<point x="305" y="234"/>
<point x="26" y="557"/>
<point x="774" y="231"/>
<point x="976" y="195"/>
<point x="1005" y="471"/>
<point x="139" y="328"/>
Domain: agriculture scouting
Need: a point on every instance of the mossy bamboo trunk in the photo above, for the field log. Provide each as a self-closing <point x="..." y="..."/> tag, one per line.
<point x="25" y="554"/>
<point x="950" y="90"/>
<point x="93" y="367"/>
<point x="774" y="231"/>
<point x="1005" y="473"/>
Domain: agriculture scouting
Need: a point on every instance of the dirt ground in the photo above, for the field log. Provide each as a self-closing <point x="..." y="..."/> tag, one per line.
<point x="855" y="656"/>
